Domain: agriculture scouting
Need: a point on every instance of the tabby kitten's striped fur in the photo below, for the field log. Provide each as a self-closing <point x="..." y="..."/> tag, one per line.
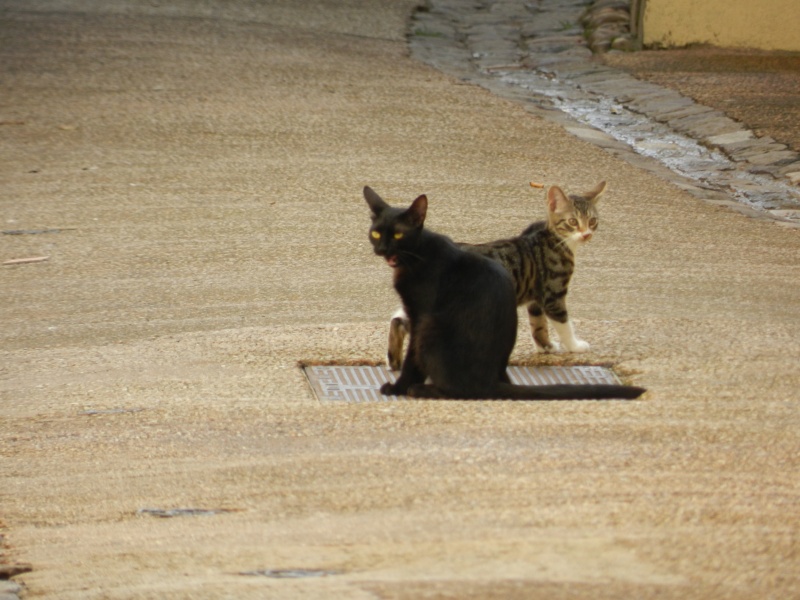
<point x="541" y="261"/>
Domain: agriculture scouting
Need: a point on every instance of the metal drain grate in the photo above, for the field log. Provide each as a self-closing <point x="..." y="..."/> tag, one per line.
<point x="362" y="383"/>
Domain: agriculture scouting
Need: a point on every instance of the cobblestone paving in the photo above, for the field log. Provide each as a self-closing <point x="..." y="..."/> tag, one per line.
<point x="535" y="53"/>
<point x="761" y="89"/>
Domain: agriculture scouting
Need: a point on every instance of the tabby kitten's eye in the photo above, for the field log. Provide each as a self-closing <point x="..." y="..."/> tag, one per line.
<point x="592" y="222"/>
<point x="573" y="222"/>
<point x="375" y="235"/>
<point x="398" y="235"/>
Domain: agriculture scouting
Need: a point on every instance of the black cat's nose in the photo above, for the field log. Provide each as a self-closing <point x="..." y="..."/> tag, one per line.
<point x="382" y="247"/>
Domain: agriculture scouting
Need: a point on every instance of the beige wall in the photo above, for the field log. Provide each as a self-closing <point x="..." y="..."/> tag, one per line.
<point x="765" y="24"/>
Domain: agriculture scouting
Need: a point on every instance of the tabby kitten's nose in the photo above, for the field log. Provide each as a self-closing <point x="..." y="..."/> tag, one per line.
<point x="587" y="235"/>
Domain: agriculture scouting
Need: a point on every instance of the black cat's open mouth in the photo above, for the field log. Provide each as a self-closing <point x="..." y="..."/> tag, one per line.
<point x="391" y="261"/>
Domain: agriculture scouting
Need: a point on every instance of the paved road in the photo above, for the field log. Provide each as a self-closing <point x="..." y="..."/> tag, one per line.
<point x="203" y="164"/>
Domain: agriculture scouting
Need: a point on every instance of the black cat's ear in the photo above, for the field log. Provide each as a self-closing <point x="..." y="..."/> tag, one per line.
<point x="557" y="200"/>
<point x="598" y="190"/>
<point x="375" y="202"/>
<point x="417" y="211"/>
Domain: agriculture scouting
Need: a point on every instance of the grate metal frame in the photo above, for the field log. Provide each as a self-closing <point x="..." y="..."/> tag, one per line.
<point x="339" y="383"/>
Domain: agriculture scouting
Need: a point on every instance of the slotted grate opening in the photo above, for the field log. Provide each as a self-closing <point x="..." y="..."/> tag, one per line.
<point x="362" y="383"/>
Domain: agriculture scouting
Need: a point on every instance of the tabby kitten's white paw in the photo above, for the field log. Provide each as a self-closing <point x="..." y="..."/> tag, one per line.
<point x="578" y="346"/>
<point x="566" y="334"/>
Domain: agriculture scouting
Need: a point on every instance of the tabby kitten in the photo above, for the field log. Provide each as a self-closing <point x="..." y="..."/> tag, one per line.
<point x="541" y="261"/>
<point x="462" y="315"/>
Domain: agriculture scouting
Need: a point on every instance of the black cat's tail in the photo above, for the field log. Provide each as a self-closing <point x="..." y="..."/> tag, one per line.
<point x="569" y="392"/>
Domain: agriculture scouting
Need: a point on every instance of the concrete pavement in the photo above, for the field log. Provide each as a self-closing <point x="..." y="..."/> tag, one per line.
<point x="203" y="164"/>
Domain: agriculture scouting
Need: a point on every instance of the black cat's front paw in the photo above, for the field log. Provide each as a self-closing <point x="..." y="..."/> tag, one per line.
<point x="390" y="389"/>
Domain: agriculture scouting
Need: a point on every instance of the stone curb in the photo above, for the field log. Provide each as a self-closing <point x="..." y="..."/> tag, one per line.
<point x="536" y="53"/>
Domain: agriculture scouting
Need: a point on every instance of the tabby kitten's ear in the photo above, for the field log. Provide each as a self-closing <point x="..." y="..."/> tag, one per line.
<point x="375" y="202"/>
<point x="595" y="194"/>
<point x="415" y="215"/>
<point x="557" y="200"/>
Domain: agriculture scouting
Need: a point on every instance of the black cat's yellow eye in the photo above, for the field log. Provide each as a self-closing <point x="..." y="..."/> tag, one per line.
<point x="398" y="235"/>
<point x="375" y="235"/>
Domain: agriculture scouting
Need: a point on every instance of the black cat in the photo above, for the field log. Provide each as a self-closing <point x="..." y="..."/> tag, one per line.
<point x="462" y="311"/>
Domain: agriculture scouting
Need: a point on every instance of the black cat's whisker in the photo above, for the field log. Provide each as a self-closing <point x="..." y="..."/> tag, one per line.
<point x="403" y="253"/>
